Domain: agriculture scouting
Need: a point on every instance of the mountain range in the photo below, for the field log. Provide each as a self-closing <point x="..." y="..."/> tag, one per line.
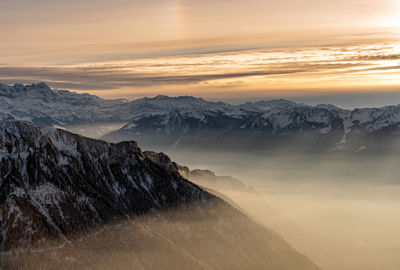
<point x="187" y="121"/>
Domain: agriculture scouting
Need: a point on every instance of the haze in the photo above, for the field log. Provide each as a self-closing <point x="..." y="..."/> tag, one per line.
<point x="342" y="211"/>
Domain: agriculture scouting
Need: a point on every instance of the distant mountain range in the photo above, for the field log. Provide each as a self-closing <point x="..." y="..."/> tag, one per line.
<point x="263" y="125"/>
<point x="70" y="202"/>
<point x="194" y="122"/>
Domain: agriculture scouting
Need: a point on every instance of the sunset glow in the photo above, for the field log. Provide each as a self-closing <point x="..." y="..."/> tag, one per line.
<point x="133" y="49"/>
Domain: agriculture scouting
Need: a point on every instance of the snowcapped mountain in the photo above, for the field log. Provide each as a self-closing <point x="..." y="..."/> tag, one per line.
<point x="187" y="105"/>
<point x="187" y="121"/>
<point x="40" y="105"/>
<point x="194" y="121"/>
<point x="85" y="203"/>
<point x="264" y="125"/>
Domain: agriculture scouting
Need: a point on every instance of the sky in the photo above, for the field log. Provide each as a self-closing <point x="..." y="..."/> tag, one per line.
<point x="321" y="51"/>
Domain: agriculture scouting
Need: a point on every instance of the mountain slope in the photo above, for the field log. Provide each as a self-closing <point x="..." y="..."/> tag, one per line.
<point x="84" y="203"/>
<point x="59" y="182"/>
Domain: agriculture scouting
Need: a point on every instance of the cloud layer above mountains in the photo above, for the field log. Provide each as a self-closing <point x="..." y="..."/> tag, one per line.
<point x="214" y="49"/>
<point x="258" y="72"/>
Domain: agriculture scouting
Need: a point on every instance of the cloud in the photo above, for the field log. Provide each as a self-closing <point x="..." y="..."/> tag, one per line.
<point x="205" y="68"/>
<point x="106" y="79"/>
<point x="377" y="57"/>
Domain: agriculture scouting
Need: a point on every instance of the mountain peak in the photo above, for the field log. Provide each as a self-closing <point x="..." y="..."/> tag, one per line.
<point x="168" y="102"/>
<point x="20" y="89"/>
<point x="41" y="85"/>
<point x="160" y="97"/>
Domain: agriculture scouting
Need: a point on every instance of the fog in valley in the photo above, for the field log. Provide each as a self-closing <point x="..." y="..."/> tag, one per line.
<point x="341" y="210"/>
<point x="94" y="131"/>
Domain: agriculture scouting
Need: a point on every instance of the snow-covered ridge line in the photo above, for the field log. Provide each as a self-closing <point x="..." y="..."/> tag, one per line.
<point x="38" y="104"/>
<point x="176" y="121"/>
<point x="194" y="122"/>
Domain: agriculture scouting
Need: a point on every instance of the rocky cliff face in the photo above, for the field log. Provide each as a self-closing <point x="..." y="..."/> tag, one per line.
<point x="54" y="183"/>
